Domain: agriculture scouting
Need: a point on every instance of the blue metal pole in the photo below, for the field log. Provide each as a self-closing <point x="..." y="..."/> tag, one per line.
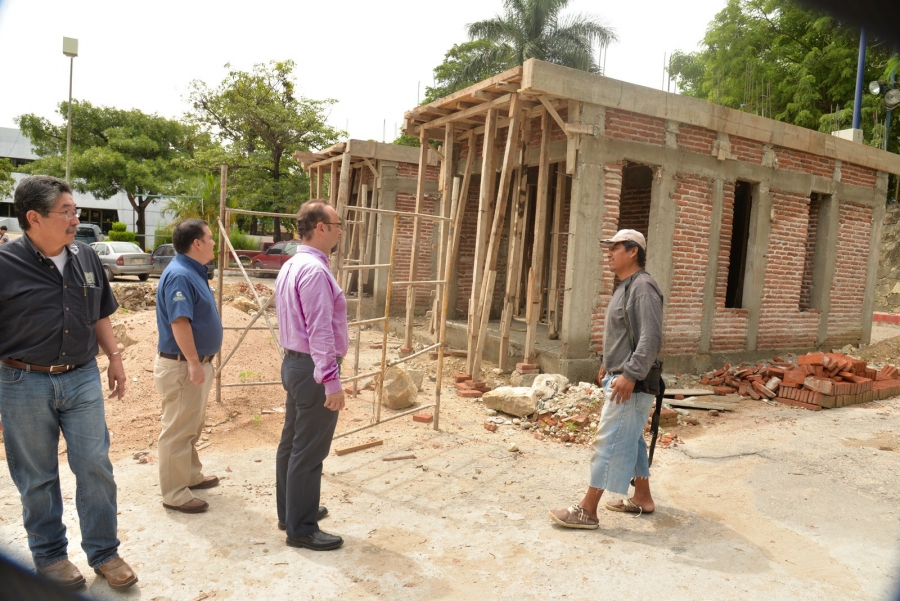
<point x="860" y="75"/>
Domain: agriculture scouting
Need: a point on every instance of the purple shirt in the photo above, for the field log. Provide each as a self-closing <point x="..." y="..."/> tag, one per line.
<point x="312" y="313"/>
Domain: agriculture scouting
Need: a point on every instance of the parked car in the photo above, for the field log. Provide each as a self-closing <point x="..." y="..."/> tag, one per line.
<point x="276" y="256"/>
<point x="89" y="233"/>
<point x="123" y="258"/>
<point x="164" y="254"/>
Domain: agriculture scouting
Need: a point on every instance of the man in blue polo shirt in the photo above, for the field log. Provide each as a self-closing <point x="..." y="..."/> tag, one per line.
<point x="190" y="335"/>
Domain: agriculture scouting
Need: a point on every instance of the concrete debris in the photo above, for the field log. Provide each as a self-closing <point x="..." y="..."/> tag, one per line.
<point x="550" y="385"/>
<point x="399" y="391"/>
<point x="520" y="380"/>
<point x="519" y="401"/>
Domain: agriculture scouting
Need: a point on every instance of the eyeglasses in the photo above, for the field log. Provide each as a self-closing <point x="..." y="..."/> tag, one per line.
<point x="340" y="224"/>
<point x="70" y="214"/>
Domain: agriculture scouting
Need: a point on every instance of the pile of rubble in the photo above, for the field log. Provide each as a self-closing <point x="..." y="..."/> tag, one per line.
<point x="135" y="297"/>
<point x="818" y="380"/>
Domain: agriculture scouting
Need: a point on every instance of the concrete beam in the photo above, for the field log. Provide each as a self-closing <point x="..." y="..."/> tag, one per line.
<point x="755" y="270"/>
<point x="712" y="267"/>
<point x="824" y="262"/>
<point x="874" y="259"/>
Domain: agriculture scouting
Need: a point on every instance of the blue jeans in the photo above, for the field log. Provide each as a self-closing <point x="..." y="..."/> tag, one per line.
<point x="35" y="407"/>
<point x="620" y="452"/>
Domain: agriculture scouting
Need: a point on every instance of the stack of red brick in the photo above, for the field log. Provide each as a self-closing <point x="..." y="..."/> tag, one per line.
<point x="466" y="388"/>
<point x="818" y="380"/>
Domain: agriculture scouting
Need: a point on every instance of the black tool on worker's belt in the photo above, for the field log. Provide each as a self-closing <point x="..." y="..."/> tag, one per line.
<point x="653" y="383"/>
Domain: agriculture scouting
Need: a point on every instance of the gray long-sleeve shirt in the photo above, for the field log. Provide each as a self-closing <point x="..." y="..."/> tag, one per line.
<point x="645" y="314"/>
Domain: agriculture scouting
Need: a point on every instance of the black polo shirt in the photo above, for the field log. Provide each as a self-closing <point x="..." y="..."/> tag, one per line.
<point x="48" y="318"/>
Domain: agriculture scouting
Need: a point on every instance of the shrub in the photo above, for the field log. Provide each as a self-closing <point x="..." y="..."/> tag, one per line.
<point x="118" y="233"/>
<point x="240" y="241"/>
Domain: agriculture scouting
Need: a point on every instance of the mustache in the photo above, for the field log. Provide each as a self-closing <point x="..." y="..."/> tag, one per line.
<point x="71" y="230"/>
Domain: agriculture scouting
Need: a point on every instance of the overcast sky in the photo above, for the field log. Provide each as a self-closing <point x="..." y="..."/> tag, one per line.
<point x="370" y="56"/>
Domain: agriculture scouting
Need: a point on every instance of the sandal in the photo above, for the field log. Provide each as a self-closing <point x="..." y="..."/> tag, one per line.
<point x="626" y="506"/>
<point x="574" y="517"/>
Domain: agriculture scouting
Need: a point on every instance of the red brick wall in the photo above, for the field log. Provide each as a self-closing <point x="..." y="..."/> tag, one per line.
<point x="781" y="323"/>
<point x="729" y="330"/>
<point x="693" y="200"/>
<point x="613" y="190"/>
<point x="696" y="139"/>
<point x="407" y="203"/>
<point x="858" y="176"/>
<point x="794" y="160"/>
<point x="812" y="232"/>
<point x="411" y="171"/>
<point x="746" y="150"/>
<point x="634" y="126"/>
<point x="849" y="283"/>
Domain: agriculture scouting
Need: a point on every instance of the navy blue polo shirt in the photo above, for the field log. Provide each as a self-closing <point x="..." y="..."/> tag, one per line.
<point x="183" y="291"/>
<point x="48" y="316"/>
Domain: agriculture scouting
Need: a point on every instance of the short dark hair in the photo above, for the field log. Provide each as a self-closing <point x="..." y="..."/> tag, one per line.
<point x="311" y="214"/>
<point x="3" y="227"/>
<point x="38" y="193"/>
<point x="186" y="232"/>
<point x="641" y="255"/>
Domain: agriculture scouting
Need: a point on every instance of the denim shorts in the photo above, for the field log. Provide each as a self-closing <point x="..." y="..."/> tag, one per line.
<point x="620" y="452"/>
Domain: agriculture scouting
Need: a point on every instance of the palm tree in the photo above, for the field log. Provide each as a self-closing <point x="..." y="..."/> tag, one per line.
<point x="535" y="29"/>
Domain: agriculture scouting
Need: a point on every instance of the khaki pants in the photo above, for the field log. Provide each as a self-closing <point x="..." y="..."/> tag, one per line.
<point x="183" y="416"/>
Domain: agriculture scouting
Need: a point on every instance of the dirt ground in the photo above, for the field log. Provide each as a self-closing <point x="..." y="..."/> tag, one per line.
<point x="760" y="502"/>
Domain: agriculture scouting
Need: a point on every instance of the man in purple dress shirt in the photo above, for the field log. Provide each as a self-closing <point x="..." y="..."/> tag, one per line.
<point x="312" y="322"/>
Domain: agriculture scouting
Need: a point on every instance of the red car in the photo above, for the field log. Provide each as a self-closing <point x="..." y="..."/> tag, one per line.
<point x="275" y="256"/>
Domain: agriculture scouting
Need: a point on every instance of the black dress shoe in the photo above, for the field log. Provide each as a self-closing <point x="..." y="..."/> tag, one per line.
<point x="317" y="541"/>
<point x="323" y="511"/>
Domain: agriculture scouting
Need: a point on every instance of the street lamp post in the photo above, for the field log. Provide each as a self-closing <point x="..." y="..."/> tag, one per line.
<point x="70" y="49"/>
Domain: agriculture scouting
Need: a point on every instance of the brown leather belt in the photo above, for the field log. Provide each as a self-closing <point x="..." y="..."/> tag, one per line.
<point x="203" y="358"/>
<point x="49" y="369"/>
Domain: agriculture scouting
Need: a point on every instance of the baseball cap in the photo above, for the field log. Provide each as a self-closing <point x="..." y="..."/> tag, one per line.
<point x="627" y="236"/>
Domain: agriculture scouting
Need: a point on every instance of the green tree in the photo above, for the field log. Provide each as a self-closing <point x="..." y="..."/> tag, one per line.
<point x="452" y="75"/>
<point x="779" y="59"/>
<point x="533" y="29"/>
<point x="6" y="180"/>
<point x="113" y="151"/>
<point x="260" y="121"/>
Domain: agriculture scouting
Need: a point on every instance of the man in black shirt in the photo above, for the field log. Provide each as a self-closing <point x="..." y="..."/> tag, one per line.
<point x="55" y="305"/>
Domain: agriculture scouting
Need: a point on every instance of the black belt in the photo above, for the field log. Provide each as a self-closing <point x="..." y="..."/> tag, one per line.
<point x="49" y="369"/>
<point x="299" y="355"/>
<point x="203" y="358"/>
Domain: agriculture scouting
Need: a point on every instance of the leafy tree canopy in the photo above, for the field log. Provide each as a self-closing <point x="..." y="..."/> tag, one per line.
<point x="782" y="60"/>
<point x="113" y="151"/>
<point x="260" y="121"/>
<point x="526" y="29"/>
<point x="6" y="180"/>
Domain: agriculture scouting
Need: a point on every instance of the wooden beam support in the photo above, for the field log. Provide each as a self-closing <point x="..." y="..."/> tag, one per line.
<point x="484" y="204"/>
<point x="483" y="313"/>
<point x="555" y="115"/>
<point x="333" y="185"/>
<point x="319" y="182"/>
<point x="446" y="186"/>
<point x="414" y="252"/>
<point x="478" y="108"/>
<point x="535" y="282"/>
<point x="371" y="167"/>
<point x="556" y="238"/>
<point x="343" y="197"/>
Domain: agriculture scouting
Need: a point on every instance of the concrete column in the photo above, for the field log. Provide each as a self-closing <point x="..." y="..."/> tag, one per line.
<point x="755" y="275"/>
<point x="387" y="199"/>
<point x="661" y="234"/>
<point x="712" y="267"/>
<point x="584" y="259"/>
<point x="824" y="261"/>
<point x="874" y="256"/>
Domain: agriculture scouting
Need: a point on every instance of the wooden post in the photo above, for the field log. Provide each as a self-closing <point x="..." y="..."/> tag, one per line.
<point x="484" y="204"/>
<point x="535" y="281"/>
<point x="453" y="234"/>
<point x="413" y="258"/>
<point x="483" y="313"/>
<point x="515" y="259"/>
<point x="443" y="246"/>
<point x="379" y="388"/>
<point x="333" y="184"/>
<point x="556" y="238"/>
<point x="223" y="262"/>
<point x="319" y="182"/>
<point x="343" y="196"/>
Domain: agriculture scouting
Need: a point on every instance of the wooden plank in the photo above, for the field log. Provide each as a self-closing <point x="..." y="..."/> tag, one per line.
<point x="371" y="167"/>
<point x="319" y="182"/>
<point x="484" y="203"/>
<point x="484" y="312"/>
<point x="556" y="238"/>
<point x="511" y="74"/>
<point x="359" y="447"/>
<point x="332" y="185"/>
<point x="536" y="293"/>
<point x="693" y="403"/>
<point x="443" y="243"/>
<point x="686" y="392"/>
<point x="555" y="115"/>
<point x="414" y="252"/>
<point x="398" y="457"/>
<point x="474" y="110"/>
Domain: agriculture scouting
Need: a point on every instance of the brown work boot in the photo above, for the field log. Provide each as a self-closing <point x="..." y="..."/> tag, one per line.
<point x="63" y="573"/>
<point x="195" y="505"/>
<point x="574" y="517"/>
<point x="118" y="574"/>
